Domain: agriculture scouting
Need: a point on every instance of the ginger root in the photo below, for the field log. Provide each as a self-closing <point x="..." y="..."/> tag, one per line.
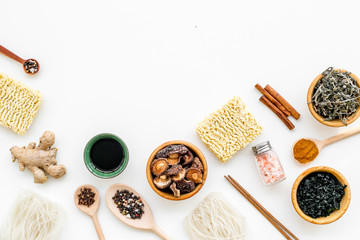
<point x="39" y="159"/>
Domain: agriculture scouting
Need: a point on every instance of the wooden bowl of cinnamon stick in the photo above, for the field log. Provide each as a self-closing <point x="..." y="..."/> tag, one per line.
<point x="321" y="119"/>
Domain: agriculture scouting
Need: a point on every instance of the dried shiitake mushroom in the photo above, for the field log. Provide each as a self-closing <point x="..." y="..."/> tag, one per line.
<point x="197" y="164"/>
<point x="175" y="190"/>
<point x="185" y="186"/>
<point x="187" y="158"/>
<point x="172" y="150"/>
<point x="195" y="175"/>
<point x="174" y="170"/>
<point x="159" y="166"/>
<point x="162" y="182"/>
<point x="173" y="159"/>
<point x="179" y="176"/>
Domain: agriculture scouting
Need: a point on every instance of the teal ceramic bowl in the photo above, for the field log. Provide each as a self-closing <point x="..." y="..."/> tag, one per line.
<point x="91" y="167"/>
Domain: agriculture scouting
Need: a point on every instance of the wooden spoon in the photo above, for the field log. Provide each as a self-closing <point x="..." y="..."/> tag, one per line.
<point x="24" y="63"/>
<point x="92" y="210"/>
<point x="320" y="144"/>
<point x="145" y="222"/>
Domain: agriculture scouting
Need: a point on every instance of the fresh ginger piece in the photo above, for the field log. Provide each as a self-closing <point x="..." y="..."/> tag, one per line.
<point x="39" y="160"/>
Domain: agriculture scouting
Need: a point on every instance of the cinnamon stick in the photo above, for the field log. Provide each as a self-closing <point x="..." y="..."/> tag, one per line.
<point x="277" y="111"/>
<point x="272" y="99"/>
<point x="286" y="105"/>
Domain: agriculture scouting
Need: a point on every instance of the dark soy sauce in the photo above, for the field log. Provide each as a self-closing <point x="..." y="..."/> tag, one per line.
<point x="107" y="155"/>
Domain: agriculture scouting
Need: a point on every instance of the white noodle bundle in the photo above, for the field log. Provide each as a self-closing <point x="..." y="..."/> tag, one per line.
<point x="215" y="219"/>
<point x="33" y="217"/>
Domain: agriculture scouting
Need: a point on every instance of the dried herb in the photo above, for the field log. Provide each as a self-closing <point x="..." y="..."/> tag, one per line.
<point x="336" y="95"/>
<point x="319" y="194"/>
<point x="86" y="197"/>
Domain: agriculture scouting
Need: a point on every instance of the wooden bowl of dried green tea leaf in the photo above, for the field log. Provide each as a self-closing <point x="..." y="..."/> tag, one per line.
<point x="333" y="97"/>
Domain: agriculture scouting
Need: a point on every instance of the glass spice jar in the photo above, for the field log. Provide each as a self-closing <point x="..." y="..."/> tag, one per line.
<point x="268" y="163"/>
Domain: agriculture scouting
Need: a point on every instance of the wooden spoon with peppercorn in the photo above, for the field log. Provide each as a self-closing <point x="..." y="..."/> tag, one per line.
<point x="31" y="66"/>
<point x="87" y="199"/>
<point x="128" y="206"/>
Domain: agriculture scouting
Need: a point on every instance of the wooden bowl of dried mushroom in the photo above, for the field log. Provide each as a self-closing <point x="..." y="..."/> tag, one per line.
<point x="333" y="97"/>
<point x="176" y="170"/>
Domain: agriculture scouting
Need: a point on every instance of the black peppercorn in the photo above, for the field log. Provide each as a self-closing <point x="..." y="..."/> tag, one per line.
<point x="31" y="66"/>
<point x="129" y="204"/>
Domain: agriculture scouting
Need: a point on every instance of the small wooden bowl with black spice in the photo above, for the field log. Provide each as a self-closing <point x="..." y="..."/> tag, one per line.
<point x="344" y="203"/>
<point x="321" y="119"/>
<point x="166" y="192"/>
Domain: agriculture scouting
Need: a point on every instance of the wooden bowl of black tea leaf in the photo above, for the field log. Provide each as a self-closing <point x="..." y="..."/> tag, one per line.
<point x="324" y="117"/>
<point x="321" y="195"/>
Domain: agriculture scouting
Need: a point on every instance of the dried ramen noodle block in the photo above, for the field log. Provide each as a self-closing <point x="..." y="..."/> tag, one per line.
<point x="18" y="104"/>
<point x="229" y="129"/>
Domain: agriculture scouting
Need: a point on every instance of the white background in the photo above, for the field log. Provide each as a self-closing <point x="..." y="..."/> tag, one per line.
<point x="149" y="71"/>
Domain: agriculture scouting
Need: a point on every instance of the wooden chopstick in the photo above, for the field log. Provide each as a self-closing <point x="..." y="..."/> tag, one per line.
<point x="280" y="227"/>
<point x="259" y="209"/>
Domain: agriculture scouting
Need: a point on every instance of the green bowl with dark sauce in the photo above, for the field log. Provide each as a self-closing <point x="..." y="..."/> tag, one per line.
<point x="106" y="155"/>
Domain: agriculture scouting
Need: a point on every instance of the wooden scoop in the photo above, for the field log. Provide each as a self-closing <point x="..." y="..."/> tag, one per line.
<point x="145" y="222"/>
<point x="23" y="62"/>
<point x="92" y="210"/>
<point x="314" y="146"/>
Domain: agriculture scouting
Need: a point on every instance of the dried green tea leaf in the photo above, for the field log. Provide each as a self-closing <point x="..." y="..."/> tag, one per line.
<point x="336" y="95"/>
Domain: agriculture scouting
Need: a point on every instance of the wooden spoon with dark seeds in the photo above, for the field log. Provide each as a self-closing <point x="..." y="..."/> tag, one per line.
<point x="24" y="63"/>
<point x="92" y="209"/>
<point x="146" y="221"/>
